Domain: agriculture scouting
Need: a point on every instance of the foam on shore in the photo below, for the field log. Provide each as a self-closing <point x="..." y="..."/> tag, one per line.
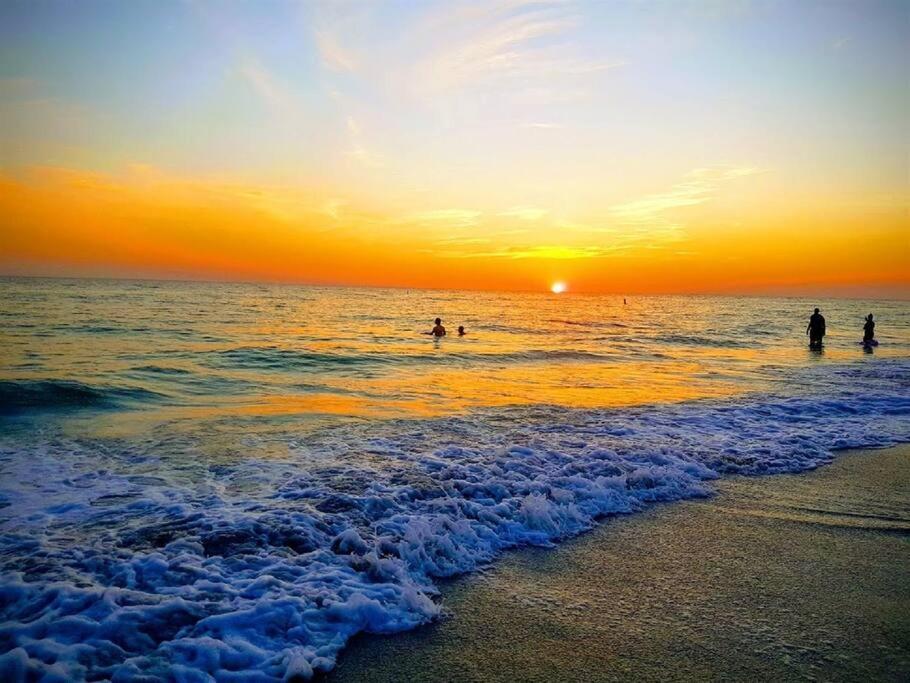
<point x="263" y="569"/>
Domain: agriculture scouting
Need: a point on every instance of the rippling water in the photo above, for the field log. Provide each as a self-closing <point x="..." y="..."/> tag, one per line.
<point x="209" y="479"/>
<point x="216" y="352"/>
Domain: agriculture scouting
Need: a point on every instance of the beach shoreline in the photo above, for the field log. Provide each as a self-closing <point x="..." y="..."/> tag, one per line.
<point x="786" y="577"/>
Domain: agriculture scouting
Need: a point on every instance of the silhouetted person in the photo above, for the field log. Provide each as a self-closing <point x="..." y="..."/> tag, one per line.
<point x="438" y="329"/>
<point x="816" y="329"/>
<point x="869" y="330"/>
<point x="461" y="331"/>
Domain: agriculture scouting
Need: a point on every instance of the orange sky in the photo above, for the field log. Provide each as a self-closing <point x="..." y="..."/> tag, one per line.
<point x="146" y="224"/>
<point x="501" y="145"/>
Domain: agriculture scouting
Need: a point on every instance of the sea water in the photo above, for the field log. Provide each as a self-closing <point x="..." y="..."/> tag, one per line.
<point x="227" y="481"/>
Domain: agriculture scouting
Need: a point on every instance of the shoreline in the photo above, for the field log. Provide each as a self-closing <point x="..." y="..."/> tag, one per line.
<point x="779" y="577"/>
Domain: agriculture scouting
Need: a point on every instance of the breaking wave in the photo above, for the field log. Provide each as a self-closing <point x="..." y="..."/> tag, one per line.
<point x="263" y="569"/>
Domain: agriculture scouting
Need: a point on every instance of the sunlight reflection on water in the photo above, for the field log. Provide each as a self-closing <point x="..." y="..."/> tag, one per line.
<point x="205" y="351"/>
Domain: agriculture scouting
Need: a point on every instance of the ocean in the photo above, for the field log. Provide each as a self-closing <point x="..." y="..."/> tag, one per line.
<point x="206" y="481"/>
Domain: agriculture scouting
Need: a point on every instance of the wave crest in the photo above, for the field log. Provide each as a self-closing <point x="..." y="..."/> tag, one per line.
<point x="22" y="396"/>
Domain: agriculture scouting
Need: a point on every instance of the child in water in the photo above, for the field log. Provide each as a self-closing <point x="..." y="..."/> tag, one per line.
<point x="438" y="330"/>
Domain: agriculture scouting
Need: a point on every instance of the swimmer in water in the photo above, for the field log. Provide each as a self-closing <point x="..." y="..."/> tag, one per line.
<point x="438" y="330"/>
<point x="461" y="331"/>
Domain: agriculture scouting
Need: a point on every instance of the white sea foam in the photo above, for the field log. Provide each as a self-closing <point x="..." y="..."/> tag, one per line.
<point x="263" y="569"/>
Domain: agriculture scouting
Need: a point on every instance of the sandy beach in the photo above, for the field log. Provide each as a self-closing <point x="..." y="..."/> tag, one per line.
<point x="791" y="577"/>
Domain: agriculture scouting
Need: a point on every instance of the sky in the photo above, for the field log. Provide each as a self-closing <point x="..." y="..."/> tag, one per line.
<point x="618" y="146"/>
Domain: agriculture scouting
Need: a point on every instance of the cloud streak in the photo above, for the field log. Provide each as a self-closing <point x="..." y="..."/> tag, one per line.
<point x="524" y="213"/>
<point x="333" y="55"/>
<point x="519" y="42"/>
<point x="358" y="149"/>
<point x="645" y="224"/>
<point x="456" y="218"/>
<point x="699" y="186"/>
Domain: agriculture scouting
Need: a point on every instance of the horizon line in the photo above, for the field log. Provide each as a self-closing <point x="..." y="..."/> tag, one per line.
<point x="543" y="291"/>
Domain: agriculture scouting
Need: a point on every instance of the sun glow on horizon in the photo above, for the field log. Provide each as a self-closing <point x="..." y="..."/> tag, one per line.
<point x="307" y="143"/>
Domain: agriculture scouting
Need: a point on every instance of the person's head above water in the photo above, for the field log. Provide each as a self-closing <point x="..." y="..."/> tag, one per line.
<point x="461" y="329"/>
<point x="816" y="310"/>
<point x="438" y="329"/>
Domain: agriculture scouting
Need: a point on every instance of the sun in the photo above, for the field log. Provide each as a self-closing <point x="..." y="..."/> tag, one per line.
<point x="558" y="287"/>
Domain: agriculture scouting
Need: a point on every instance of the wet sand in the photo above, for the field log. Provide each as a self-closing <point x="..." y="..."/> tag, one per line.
<point x="792" y="577"/>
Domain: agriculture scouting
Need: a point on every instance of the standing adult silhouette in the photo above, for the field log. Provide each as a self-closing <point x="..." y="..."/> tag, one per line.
<point x="869" y="330"/>
<point x="816" y="329"/>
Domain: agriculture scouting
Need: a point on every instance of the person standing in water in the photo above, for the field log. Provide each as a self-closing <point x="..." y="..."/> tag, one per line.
<point x="816" y="329"/>
<point x="869" y="330"/>
<point x="438" y="329"/>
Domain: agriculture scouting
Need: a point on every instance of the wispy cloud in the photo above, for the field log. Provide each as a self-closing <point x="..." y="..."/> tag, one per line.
<point x="699" y="185"/>
<point x="278" y="96"/>
<point x="502" y="41"/>
<point x="446" y="217"/>
<point x="501" y="51"/>
<point x="543" y="252"/>
<point x="556" y="252"/>
<point x="332" y="207"/>
<point x="341" y="32"/>
<point x="524" y="213"/>
<point x="358" y="149"/>
<point x="332" y="53"/>
<point x="529" y="46"/>
<point x="262" y="81"/>
<point x="461" y="241"/>
<point x="649" y="223"/>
